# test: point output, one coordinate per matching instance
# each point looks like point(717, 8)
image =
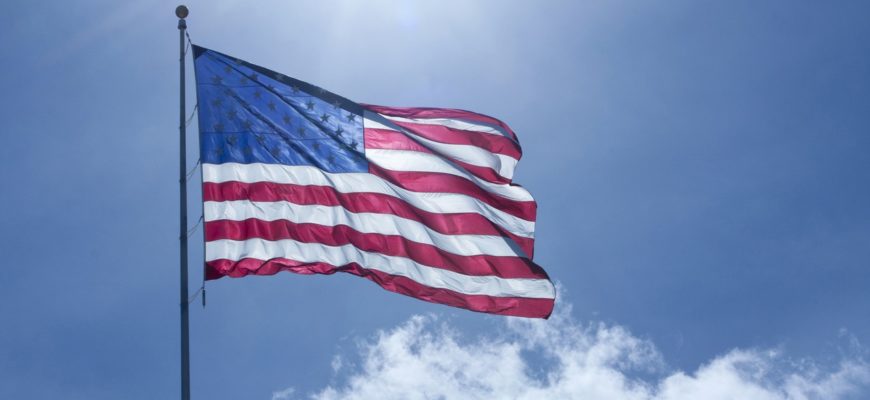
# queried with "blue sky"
point(701, 170)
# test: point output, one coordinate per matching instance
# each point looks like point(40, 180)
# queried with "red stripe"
point(392, 245)
point(426, 182)
point(392, 140)
point(425, 112)
point(514, 306)
point(443, 134)
point(450, 224)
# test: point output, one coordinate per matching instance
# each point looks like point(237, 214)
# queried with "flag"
point(417, 200)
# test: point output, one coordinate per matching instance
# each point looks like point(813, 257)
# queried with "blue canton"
point(249, 114)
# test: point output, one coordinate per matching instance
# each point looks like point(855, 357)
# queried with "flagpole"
point(181, 12)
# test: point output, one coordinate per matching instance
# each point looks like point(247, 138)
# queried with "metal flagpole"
point(181, 12)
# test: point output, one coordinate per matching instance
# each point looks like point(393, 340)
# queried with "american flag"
point(417, 200)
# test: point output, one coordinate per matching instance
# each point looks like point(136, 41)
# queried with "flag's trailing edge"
point(418, 200)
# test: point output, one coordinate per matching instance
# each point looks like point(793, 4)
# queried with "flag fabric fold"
point(420, 201)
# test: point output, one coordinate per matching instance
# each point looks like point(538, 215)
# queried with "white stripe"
point(442, 203)
point(415, 161)
point(384, 224)
point(342, 255)
point(458, 123)
point(502, 164)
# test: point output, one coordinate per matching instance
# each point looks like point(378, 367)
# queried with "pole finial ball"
point(181, 11)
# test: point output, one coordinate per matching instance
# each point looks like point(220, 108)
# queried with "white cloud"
point(337, 363)
point(563, 359)
point(283, 394)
